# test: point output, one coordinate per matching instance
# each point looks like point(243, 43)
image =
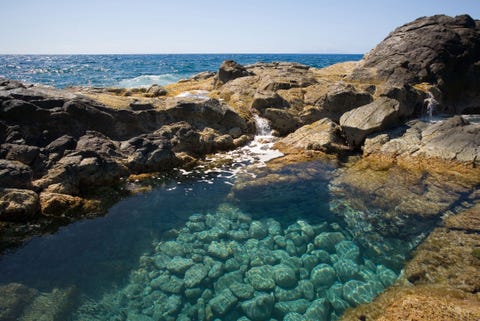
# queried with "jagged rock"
point(229, 70)
point(18, 205)
point(440, 50)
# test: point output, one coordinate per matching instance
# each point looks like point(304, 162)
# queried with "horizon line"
point(181, 53)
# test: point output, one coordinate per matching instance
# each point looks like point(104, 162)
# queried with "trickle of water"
point(262, 126)
point(431, 103)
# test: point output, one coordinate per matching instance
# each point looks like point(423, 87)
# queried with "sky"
point(209, 26)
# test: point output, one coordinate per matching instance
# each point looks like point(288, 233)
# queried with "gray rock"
point(453, 139)
point(323, 275)
point(381, 114)
point(310, 261)
point(223, 302)
point(261, 278)
point(281, 120)
point(259, 308)
point(267, 99)
point(195, 275)
point(440, 50)
point(322, 135)
point(228, 71)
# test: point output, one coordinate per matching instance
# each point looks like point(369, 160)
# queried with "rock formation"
point(59, 146)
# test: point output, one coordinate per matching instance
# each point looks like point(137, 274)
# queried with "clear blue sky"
point(209, 26)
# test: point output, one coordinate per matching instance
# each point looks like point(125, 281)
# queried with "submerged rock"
point(223, 302)
point(259, 308)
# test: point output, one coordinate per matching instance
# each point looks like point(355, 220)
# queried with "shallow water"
point(222, 243)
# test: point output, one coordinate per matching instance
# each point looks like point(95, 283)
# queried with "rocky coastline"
point(66, 154)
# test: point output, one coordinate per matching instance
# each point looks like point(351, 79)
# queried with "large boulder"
point(440, 50)
point(323, 135)
point(229, 70)
point(381, 114)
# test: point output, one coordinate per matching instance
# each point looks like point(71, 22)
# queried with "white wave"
point(197, 94)
point(148, 80)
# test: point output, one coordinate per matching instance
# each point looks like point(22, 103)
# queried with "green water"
point(206, 245)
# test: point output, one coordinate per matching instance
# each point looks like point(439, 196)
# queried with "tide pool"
point(213, 243)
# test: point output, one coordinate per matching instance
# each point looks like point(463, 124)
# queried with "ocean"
point(136, 70)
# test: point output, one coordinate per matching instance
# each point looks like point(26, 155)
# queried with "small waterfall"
point(262, 145)
point(262, 126)
point(431, 104)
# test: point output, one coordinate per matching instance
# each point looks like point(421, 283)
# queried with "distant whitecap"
point(148, 80)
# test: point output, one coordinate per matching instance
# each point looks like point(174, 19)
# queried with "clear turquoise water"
point(136, 70)
point(276, 245)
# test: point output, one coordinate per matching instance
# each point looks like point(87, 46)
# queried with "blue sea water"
point(136, 70)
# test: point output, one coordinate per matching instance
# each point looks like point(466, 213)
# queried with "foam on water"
point(148, 80)
point(255, 154)
point(196, 94)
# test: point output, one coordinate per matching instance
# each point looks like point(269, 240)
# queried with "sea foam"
point(148, 80)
